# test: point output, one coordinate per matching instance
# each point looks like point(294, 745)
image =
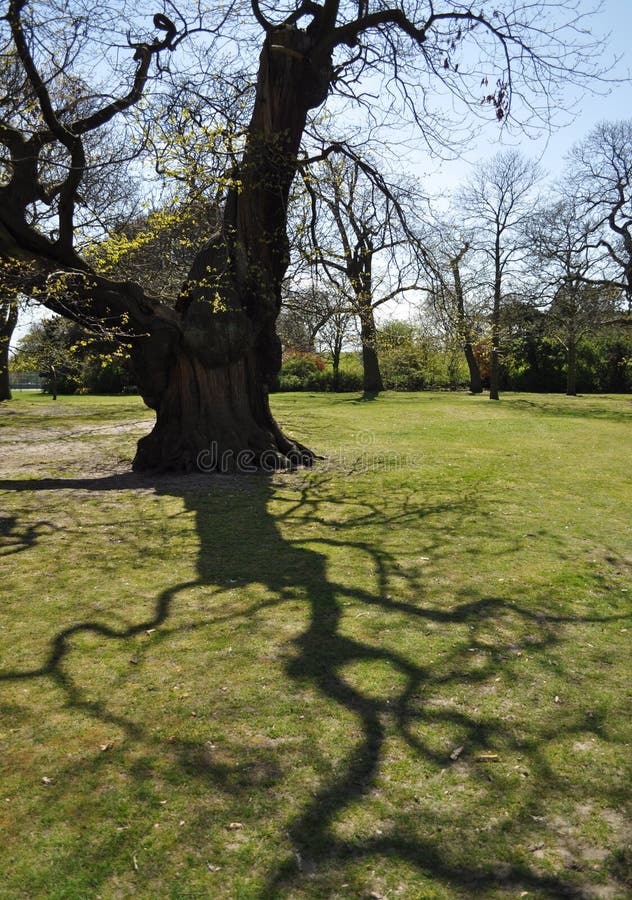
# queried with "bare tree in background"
point(496, 203)
point(600, 178)
point(358, 236)
point(562, 242)
point(455, 293)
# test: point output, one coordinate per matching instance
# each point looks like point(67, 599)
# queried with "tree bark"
point(8, 321)
point(494, 368)
point(571, 369)
point(5, 386)
point(371, 376)
point(476, 384)
point(335, 365)
point(208, 378)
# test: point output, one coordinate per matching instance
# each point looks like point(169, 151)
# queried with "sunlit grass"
point(403, 673)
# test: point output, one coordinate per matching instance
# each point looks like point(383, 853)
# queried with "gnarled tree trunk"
point(208, 373)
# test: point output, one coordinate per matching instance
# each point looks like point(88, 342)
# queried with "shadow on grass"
point(320, 657)
point(582, 406)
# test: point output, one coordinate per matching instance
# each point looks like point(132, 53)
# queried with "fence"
point(25, 381)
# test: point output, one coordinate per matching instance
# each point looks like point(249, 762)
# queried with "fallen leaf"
point(47, 780)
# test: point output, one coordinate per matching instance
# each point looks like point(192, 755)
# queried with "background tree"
point(454, 295)
point(205, 363)
point(8, 321)
point(561, 240)
point(600, 178)
point(47, 348)
point(312, 316)
point(496, 203)
point(71, 359)
point(358, 236)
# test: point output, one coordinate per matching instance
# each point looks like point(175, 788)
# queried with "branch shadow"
point(324, 654)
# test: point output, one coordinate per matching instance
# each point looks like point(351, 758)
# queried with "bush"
point(413, 361)
point(304, 372)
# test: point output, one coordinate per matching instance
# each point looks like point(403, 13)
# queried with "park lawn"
point(404, 673)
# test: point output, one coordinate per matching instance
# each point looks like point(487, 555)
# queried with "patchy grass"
point(405, 673)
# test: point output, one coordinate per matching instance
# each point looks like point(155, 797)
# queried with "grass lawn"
point(405, 673)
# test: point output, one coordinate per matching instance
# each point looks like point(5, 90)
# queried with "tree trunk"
point(5, 387)
point(216, 418)
point(476, 384)
point(207, 373)
point(8, 321)
point(494, 366)
point(371, 375)
point(335, 365)
point(571, 369)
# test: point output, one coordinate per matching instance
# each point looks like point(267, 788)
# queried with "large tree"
point(205, 362)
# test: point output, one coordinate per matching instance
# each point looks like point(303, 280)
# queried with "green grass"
point(252, 687)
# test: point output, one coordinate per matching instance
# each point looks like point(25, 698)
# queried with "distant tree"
point(561, 239)
point(8, 321)
point(600, 180)
point(332, 336)
point(47, 349)
point(496, 203)
point(455, 295)
point(357, 235)
point(70, 358)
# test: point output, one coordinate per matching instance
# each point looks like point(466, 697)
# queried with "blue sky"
point(613, 102)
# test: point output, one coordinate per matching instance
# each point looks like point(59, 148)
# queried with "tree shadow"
point(581, 406)
point(237, 551)
point(365, 397)
point(15, 538)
